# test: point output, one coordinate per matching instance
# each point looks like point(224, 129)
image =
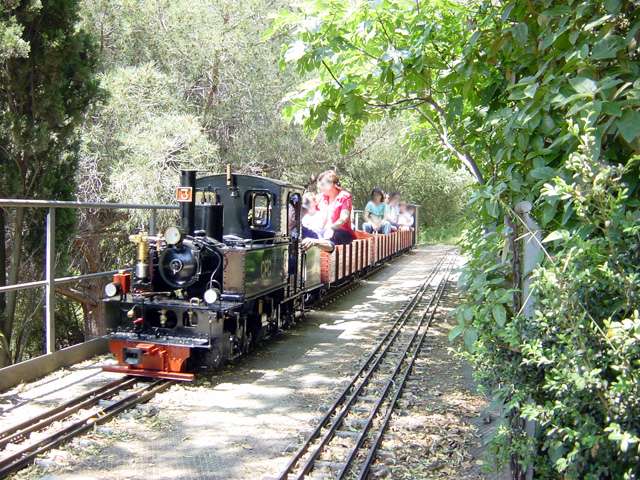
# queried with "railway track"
point(21, 443)
point(345, 442)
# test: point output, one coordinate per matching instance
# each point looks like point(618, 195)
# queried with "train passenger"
point(392, 210)
point(335, 204)
point(312, 222)
point(312, 219)
point(374, 214)
point(405, 218)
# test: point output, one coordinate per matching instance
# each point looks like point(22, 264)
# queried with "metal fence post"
point(50, 288)
point(531, 255)
point(416, 223)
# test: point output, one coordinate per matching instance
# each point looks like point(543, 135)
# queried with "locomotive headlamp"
point(172, 235)
point(211, 295)
point(111, 289)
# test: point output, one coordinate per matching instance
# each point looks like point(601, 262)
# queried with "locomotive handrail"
point(50, 250)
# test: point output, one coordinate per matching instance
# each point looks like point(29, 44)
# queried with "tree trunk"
point(14, 275)
point(95, 313)
point(93, 308)
point(4, 356)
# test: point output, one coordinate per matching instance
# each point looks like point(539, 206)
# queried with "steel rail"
point(305, 447)
point(25, 455)
point(390, 409)
point(18, 432)
point(430, 309)
point(390, 335)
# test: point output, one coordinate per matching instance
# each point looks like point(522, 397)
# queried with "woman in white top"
point(312, 225)
point(392, 210)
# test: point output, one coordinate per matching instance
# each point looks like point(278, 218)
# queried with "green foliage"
point(12, 45)
point(143, 135)
point(47, 81)
point(562, 120)
point(375, 58)
point(542, 100)
point(449, 233)
point(216, 68)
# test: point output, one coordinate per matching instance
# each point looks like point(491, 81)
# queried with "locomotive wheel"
point(213, 358)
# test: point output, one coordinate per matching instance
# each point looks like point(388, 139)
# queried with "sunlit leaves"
point(564, 125)
point(499, 314)
point(583, 85)
point(295, 51)
point(396, 53)
point(607, 47)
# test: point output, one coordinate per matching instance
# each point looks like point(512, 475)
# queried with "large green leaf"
point(470, 337)
point(499, 314)
point(629, 125)
point(607, 47)
point(583, 85)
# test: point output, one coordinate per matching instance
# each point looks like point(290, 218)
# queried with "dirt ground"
point(245, 421)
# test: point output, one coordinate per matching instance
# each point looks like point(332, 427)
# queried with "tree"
point(46, 83)
point(185, 89)
point(372, 58)
point(383, 157)
point(540, 101)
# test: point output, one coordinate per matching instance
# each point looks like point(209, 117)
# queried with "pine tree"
point(47, 81)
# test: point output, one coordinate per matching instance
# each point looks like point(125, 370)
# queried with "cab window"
point(260, 211)
point(293, 214)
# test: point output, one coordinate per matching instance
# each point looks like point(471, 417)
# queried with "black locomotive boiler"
point(206, 291)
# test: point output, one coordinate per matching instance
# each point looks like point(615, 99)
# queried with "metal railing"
point(50, 281)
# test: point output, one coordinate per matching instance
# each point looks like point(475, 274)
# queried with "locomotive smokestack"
point(188, 209)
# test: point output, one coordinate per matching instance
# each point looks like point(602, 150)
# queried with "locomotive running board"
point(138, 372)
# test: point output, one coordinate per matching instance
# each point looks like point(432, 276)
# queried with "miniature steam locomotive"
point(206, 292)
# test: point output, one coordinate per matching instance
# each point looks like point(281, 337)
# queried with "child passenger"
point(374, 214)
point(312, 220)
point(405, 218)
point(312, 223)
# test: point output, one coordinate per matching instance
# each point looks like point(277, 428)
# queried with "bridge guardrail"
point(50, 281)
